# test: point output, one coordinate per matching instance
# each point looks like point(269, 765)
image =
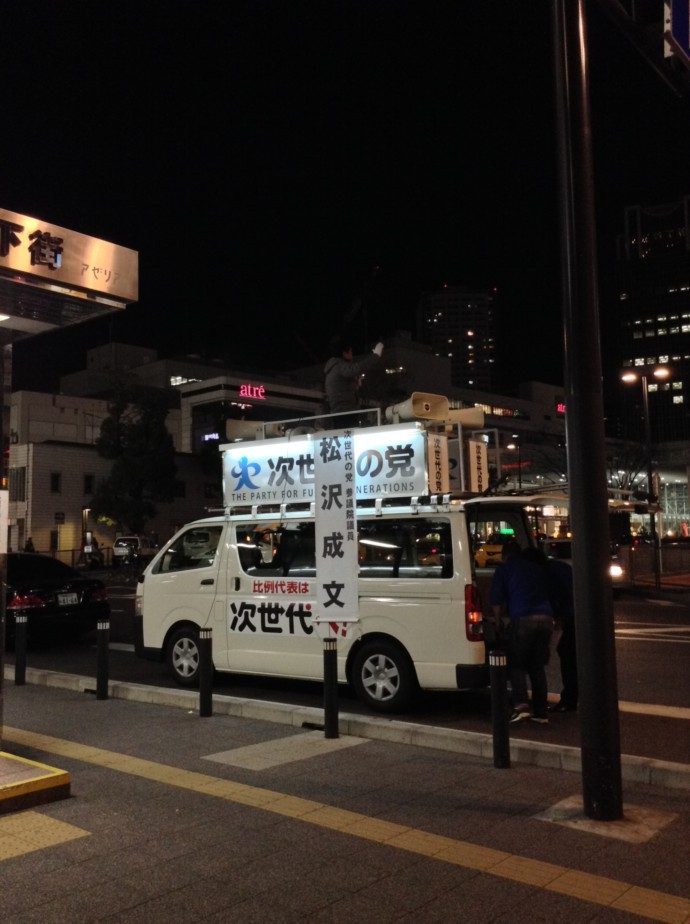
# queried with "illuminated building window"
point(677, 399)
point(637, 335)
point(653, 387)
point(677, 386)
point(663, 359)
point(661, 331)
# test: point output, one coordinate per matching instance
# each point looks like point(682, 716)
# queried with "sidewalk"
point(230, 818)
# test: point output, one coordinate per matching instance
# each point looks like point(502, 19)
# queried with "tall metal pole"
point(598, 705)
point(650, 480)
point(3, 557)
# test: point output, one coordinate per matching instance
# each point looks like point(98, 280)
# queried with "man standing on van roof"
point(520, 590)
point(343, 376)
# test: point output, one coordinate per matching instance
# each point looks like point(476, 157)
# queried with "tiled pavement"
point(178, 818)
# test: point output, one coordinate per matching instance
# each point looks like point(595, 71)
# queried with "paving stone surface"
point(378, 832)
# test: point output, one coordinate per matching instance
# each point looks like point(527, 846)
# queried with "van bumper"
point(472, 676)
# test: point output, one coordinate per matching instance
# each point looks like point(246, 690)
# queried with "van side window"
point(277, 552)
point(405, 548)
point(402, 548)
point(491, 529)
point(195, 548)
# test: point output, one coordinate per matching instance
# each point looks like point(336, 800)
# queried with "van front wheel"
point(183, 656)
point(383, 677)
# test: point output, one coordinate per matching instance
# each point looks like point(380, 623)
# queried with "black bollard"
point(102, 658)
point(205, 672)
point(498, 675)
point(330, 687)
point(20, 621)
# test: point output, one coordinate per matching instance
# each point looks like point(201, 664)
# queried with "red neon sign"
point(560, 407)
point(253, 391)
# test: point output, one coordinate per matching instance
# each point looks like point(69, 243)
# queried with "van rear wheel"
point(183, 656)
point(383, 677)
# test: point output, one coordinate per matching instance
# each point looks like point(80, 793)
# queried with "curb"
point(559, 757)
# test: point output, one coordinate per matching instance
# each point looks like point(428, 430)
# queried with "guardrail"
point(638, 562)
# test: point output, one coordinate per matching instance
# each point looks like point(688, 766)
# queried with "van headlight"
point(615, 571)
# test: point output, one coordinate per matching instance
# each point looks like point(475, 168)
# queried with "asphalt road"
point(652, 638)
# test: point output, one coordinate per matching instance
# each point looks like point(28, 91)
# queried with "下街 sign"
point(45, 254)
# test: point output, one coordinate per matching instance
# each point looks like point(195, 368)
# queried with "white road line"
point(665, 603)
point(666, 712)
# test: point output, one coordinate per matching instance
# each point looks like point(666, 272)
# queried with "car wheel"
point(183, 656)
point(383, 677)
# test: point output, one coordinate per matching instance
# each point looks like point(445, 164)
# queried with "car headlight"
point(615, 571)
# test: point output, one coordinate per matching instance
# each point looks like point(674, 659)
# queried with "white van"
point(420, 622)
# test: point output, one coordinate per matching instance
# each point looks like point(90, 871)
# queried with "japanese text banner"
point(335, 527)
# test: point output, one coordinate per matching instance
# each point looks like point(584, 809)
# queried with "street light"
point(516, 445)
point(642, 374)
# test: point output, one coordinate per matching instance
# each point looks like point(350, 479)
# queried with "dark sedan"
point(57, 599)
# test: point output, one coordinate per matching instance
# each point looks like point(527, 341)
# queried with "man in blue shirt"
point(520, 593)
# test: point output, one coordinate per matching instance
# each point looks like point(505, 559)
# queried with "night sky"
point(264, 157)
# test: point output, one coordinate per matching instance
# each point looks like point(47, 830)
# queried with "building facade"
point(653, 291)
point(459, 323)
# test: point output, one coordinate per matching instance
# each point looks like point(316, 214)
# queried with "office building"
point(459, 323)
point(653, 291)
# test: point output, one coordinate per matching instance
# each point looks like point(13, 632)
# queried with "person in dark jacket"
point(561, 584)
point(520, 591)
point(343, 376)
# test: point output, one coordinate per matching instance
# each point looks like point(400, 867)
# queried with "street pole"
point(598, 705)
point(650, 481)
point(3, 556)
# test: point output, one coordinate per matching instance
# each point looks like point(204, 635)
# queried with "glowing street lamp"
point(642, 374)
point(513, 446)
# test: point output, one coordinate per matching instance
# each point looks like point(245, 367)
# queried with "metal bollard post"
point(205, 672)
point(330, 687)
point(498, 675)
point(20, 627)
point(102, 658)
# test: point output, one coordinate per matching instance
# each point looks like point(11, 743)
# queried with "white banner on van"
point(389, 461)
point(478, 466)
point(335, 528)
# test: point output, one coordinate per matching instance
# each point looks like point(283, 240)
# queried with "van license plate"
point(67, 599)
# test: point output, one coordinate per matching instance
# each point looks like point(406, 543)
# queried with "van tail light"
point(26, 601)
point(474, 627)
point(99, 594)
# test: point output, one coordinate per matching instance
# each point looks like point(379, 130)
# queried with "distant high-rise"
point(458, 322)
point(653, 278)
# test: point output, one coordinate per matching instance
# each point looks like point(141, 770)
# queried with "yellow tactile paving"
point(25, 832)
point(610, 893)
point(20, 777)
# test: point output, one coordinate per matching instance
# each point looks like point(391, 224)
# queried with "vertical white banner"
point(336, 528)
point(437, 449)
point(4, 520)
point(478, 466)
